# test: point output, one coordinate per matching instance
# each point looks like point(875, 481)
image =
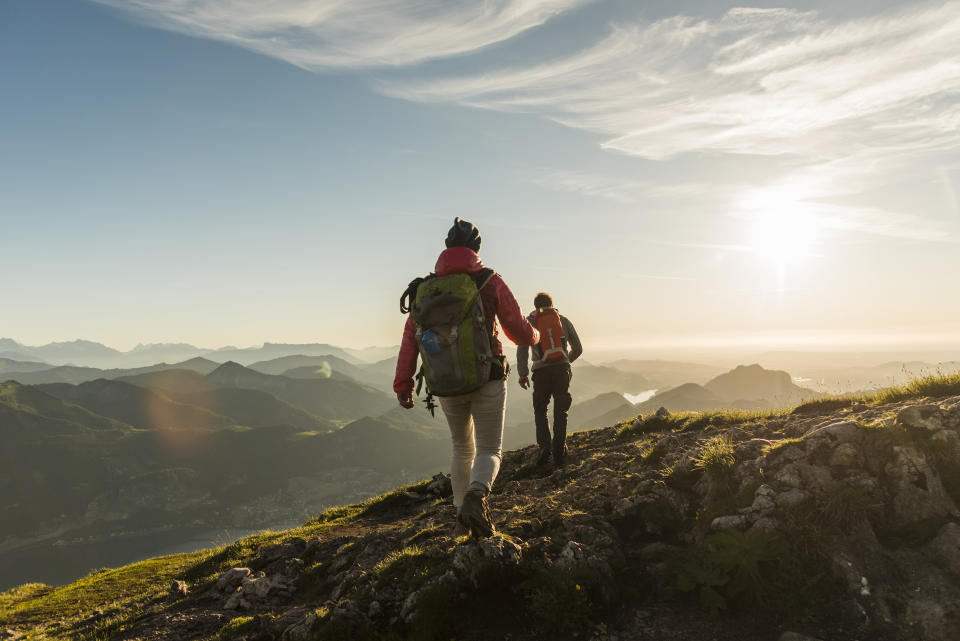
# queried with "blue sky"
point(230, 172)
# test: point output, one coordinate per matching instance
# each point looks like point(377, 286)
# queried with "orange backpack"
point(548, 323)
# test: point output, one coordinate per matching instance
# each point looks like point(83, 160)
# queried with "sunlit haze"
point(684, 175)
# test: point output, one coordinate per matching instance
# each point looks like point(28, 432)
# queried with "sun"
point(783, 228)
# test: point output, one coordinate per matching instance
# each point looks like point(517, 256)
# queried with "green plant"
point(409, 564)
point(716, 456)
point(235, 628)
point(772, 447)
point(930, 385)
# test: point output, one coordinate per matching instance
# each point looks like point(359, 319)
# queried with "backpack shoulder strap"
point(483, 277)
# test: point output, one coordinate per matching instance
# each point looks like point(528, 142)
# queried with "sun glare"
point(783, 229)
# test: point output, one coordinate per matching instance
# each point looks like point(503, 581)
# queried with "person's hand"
point(406, 399)
point(524, 382)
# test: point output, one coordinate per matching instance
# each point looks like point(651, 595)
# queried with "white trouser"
point(476, 457)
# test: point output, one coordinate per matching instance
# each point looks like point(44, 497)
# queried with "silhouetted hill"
point(136, 406)
point(688, 397)
point(170, 380)
point(270, 351)
point(76, 375)
point(319, 372)
point(254, 408)
point(165, 352)
point(666, 374)
point(78, 352)
point(311, 366)
point(12, 365)
point(328, 398)
point(754, 383)
point(586, 414)
point(591, 380)
point(26, 401)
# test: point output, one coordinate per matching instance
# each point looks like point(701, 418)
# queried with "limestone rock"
point(578, 558)
point(917, 491)
point(946, 548)
point(230, 580)
point(473, 559)
point(236, 602)
point(921, 417)
point(178, 590)
point(300, 631)
point(730, 521)
point(845, 455)
point(841, 431)
point(440, 485)
point(793, 498)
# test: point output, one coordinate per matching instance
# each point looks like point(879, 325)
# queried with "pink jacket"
point(497, 300)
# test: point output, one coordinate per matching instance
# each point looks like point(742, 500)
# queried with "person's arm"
point(576, 349)
point(406, 365)
point(522, 352)
point(515, 325)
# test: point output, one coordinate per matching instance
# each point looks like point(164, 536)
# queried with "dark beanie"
point(463, 234)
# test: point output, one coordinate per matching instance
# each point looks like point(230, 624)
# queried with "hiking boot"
point(474, 514)
point(459, 529)
point(560, 458)
point(544, 457)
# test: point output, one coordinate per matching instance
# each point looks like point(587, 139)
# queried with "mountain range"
point(93, 354)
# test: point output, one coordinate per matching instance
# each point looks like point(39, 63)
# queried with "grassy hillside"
point(329, 399)
point(136, 406)
point(65, 468)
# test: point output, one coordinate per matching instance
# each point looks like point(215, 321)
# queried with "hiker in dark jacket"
point(551, 376)
point(476, 418)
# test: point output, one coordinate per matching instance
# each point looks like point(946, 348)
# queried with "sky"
point(682, 174)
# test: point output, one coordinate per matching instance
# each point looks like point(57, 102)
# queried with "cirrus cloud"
point(757, 81)
point(324, 34)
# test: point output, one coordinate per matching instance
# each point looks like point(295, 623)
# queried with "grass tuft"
point(931, 385)
point(716, 456)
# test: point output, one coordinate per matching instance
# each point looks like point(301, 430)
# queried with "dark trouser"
point(552, 381)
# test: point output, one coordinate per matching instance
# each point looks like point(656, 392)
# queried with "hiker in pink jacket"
point(476, 418)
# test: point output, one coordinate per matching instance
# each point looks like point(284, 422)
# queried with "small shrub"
point(235, 628)
point(716, 457)
point(823, 405)
point(410, 564)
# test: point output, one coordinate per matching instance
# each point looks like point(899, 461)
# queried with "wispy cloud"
point(610, 187)
point(758, 81)
point(322, 34)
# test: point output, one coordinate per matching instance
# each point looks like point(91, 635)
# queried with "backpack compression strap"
point(410, 294)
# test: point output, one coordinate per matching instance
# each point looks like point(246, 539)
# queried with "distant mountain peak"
point(230, 366)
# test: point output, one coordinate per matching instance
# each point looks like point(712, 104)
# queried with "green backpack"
point(452, 332)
